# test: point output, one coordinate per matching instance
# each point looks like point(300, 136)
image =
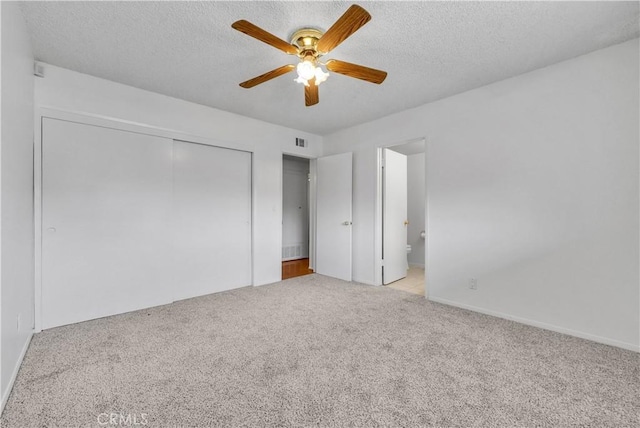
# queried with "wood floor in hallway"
point(293, 268)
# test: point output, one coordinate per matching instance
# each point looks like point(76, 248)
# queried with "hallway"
point(294, 268)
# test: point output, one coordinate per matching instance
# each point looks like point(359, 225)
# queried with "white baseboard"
point(362, 281)
point(418, 265)
point(7, 391)
point(542, 325)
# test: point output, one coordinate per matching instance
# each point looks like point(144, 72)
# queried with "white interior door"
point(212, 208)
point(333, 221)
point(106, 222)
point(394, 217)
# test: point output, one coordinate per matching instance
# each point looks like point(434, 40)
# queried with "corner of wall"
point(6, 392)
point(16, 195)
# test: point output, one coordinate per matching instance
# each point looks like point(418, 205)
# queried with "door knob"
point(406, 222)
point(346, 223)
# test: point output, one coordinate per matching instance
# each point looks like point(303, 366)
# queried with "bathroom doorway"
point(295, 216)
point(403, 217)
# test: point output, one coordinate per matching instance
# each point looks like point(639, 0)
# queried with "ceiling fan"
point(309, 45)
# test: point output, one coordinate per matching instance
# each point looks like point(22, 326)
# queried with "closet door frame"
point(117, 124)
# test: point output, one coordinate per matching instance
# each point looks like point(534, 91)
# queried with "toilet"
point(408, 251)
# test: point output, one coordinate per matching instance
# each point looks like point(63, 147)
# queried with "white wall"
point(416, 207)
point(16, 190)
point(532, 188)
point(68, 90)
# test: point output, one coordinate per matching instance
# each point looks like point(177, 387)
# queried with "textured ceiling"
point(431, 50)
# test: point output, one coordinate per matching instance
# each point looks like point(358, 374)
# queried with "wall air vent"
point(301, 142)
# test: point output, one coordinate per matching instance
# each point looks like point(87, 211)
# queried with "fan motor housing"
point(306, 39)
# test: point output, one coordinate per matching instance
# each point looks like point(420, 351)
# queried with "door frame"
point(121, 125)
point(377, 234)
point(311, 195)
point(312, 203)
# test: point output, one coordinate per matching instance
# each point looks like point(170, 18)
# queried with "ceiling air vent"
point(38, 69)
point(301, 142)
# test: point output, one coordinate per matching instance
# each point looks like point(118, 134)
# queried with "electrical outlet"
point(473, 283)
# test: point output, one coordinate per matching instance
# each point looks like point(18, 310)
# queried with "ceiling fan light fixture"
point(321, 76)
point(306, 70)
point(309, 44)
point(299, 79)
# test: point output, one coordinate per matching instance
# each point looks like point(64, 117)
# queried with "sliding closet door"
point(106, 222)
point(212, 208)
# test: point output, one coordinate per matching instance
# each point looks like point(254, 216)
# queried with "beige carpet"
point(313, 351)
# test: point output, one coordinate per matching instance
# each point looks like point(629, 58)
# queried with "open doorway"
point(403, 217)
point(295, 216)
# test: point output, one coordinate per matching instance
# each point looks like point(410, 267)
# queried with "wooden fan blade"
point(311, 93)
point(264, 36)
point(358, 71)
point(267, 76)
point(354, 18)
